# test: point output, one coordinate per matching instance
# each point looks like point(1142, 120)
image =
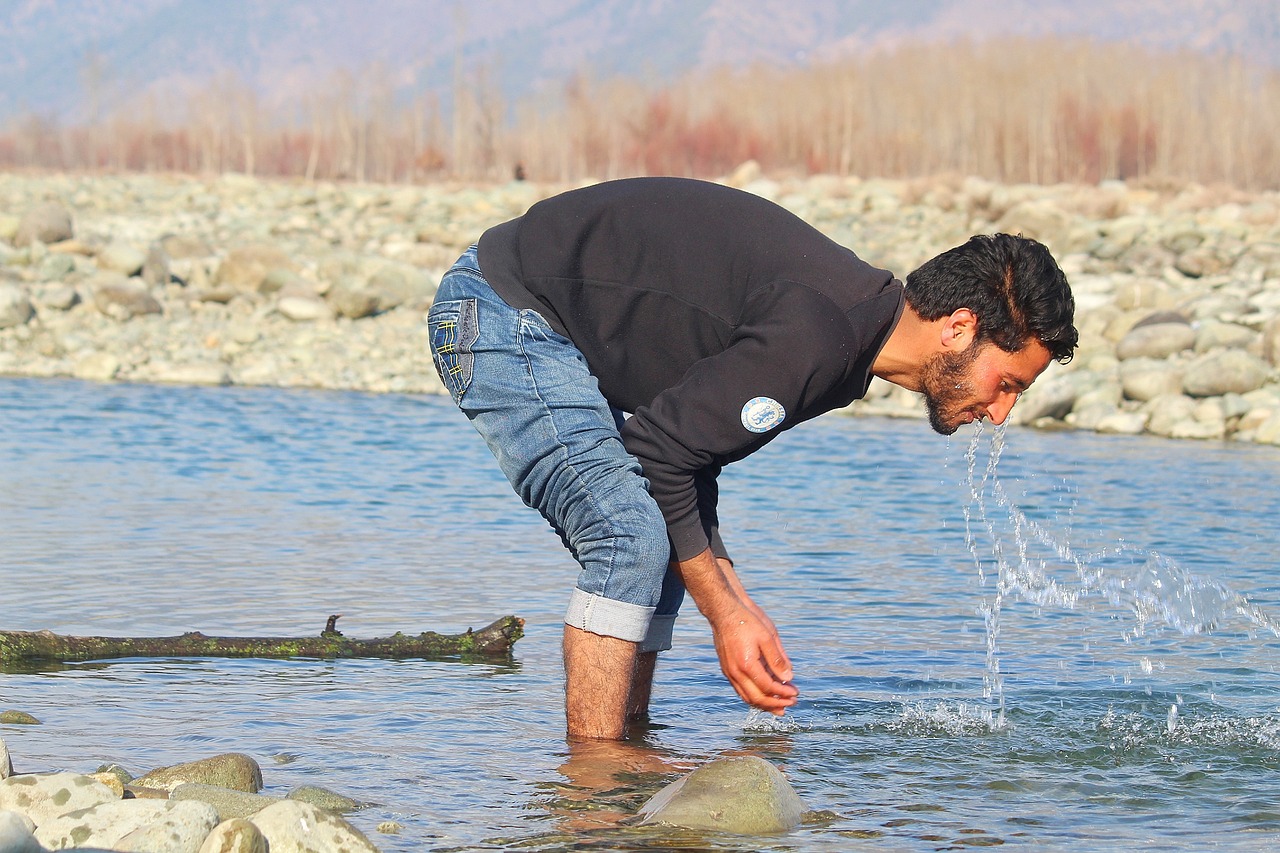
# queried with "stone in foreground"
point(295, 827)
point(744, 796)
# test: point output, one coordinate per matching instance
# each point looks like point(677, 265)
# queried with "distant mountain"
point(71, 59)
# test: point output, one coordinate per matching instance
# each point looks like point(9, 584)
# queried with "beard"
point(948, 392)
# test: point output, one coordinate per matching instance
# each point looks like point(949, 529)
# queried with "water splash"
point(1038, 565)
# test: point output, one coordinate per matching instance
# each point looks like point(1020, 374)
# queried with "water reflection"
point(141, 510)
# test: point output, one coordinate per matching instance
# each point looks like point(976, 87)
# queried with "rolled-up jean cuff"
point(607, 617)
point(659, 637)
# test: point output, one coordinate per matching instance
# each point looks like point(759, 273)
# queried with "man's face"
point(980, 381)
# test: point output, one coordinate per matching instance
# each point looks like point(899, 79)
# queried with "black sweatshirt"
point(716, 317)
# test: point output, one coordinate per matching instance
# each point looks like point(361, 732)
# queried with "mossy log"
point(494, 639)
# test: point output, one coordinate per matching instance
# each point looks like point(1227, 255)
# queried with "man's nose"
point(999, 409)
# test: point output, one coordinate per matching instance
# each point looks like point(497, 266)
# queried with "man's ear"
point(959, 330)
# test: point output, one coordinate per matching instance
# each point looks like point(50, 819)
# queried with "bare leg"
point(597, 683)
point(641, 687)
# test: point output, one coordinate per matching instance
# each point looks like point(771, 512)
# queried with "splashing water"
point(1035, 564)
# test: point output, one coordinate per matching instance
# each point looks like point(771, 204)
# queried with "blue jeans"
point(529, 393)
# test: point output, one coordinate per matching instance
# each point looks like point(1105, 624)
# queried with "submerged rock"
point(744, 796)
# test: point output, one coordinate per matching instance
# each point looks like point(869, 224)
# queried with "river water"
point(1070, 649)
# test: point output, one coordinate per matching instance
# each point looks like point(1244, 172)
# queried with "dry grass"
point(1038, 111)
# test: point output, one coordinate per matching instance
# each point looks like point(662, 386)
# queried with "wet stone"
point(233, 770)
point(745, 796)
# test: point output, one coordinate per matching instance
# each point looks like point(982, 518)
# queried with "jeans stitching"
point(564, 447)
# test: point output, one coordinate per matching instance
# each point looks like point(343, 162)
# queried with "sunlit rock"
point(16, 833)
point(745, 795)
point(44, 797)
point(294, 827)
point(135, 824)
point(233, 770)
point(235, 836)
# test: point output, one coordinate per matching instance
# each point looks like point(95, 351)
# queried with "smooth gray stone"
point(1159, 340)
point(745, 796)
point(1229, 371)
point(228, 803)
point(323, 798)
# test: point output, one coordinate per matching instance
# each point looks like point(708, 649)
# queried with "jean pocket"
point(454, 328)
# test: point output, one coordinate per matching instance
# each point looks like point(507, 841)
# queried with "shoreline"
point(233, 280)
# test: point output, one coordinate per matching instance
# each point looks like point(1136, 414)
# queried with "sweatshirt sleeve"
point(791, 350)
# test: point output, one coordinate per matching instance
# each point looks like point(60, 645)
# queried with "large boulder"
point(745, 795)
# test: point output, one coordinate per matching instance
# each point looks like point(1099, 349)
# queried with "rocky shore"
point(233, 280)
point(211, 805)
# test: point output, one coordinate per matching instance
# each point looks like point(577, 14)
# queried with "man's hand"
point(750, 652)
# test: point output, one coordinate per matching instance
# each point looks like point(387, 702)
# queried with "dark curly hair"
point(1011, 283)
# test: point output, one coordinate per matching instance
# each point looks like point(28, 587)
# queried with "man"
point(715, 320)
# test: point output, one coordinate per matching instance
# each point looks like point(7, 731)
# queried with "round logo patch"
point(762, 414)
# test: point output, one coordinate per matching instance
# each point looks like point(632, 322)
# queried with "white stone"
point(294, 827)
point(97, 367)
point(44, 797)
point(303, 309)
point(1122, 423)
point(133, 825)
point(16, 834)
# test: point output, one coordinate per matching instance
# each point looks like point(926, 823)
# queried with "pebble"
point(236, 280)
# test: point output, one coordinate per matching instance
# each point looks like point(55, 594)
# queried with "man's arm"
point(751, 655)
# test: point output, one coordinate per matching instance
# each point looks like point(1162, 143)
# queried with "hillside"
point(73, 60)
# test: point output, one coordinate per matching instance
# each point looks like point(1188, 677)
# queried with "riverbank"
point(233, 280)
